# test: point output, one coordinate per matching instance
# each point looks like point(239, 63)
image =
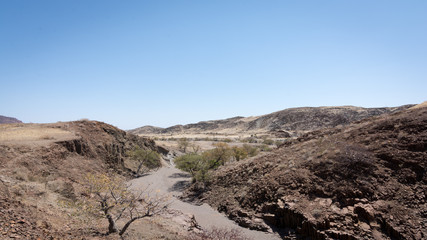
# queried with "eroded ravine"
point(169, 180)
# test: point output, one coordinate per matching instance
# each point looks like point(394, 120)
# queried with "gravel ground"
point(171, 181)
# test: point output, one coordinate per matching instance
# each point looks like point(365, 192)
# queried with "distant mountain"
point(288, 122)
point(4, 119)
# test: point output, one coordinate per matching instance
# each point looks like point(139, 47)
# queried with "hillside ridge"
point(44, 164)
point(8, 120)
point(366, 180)
point(293, 121)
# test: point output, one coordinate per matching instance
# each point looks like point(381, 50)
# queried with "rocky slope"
point(40, 164)
point(288, 122)
point(366, 180)
point(5, 120)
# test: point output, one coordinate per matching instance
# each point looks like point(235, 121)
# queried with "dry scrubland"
point(320, 175)
point(366, 180)
point(43, 168)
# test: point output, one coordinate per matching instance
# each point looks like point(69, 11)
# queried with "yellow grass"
point(24, 133)
point(424, 104)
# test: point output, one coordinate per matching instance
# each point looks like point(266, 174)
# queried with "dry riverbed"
point(171, 181)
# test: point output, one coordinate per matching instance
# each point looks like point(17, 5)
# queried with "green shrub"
point(265, 148)
point(268, 141)
point(146, 158)
point(218, 156)
point(199, 165)
point(239, 153)
point(252, 151)
point(191, 163)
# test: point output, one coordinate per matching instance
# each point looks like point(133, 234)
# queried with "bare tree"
point(195, 148)
point(183, 144)
point(110, 197)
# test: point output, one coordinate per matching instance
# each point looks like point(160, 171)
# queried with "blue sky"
point(135, 63)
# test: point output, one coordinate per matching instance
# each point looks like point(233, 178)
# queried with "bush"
point(199, 165)
point(268, 141)
point(191, 163)
point(146, 158)
point(252, 151)
point(218, 234)
point(239, 153)
point(265, 148)
point(218, 156)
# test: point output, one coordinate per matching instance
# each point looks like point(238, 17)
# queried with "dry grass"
point(421, 105)
point(19, 133)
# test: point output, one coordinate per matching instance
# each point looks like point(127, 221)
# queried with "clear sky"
point(161, 63)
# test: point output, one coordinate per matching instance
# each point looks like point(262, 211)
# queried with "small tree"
point(218, 156)
point(145, 158)
point(110, 197)
point(252, 151)
point(239, 153)
point(191, 163)
point(195, 148)
point(183, 144)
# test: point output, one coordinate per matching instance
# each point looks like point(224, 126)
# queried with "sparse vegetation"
point(109, 197)
point(268, 141)
point(265, 148)
point(191, 163)
point(198, 165)
point(146, 158)
point(195, 148)
point(218, 234)
point(217, 156)
point(252, 151)
point(183, 144)
point(239, 153)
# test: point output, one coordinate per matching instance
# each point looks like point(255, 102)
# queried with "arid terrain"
point(336, 173)
point(292, 122)
point(42, 165)
point(366, 180)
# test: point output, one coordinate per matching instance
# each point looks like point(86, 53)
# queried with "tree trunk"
point(141, 164)
point(125, 227)
point(111, 224)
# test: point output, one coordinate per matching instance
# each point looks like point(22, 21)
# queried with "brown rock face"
point(363, 181)
point(41, 162)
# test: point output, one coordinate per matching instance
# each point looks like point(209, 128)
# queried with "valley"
point(311, 173)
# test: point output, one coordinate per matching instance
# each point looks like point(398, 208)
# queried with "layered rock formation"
point(366, 180)
point(44, 164)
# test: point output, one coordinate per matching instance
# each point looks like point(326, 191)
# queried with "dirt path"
point(169, 180)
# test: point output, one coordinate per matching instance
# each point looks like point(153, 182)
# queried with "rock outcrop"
point(44, 164)
point(366, 180)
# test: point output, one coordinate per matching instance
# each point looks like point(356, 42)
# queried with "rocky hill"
point(366, 180)
point(4, 120)
point(288, 122)
point(42, 164)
